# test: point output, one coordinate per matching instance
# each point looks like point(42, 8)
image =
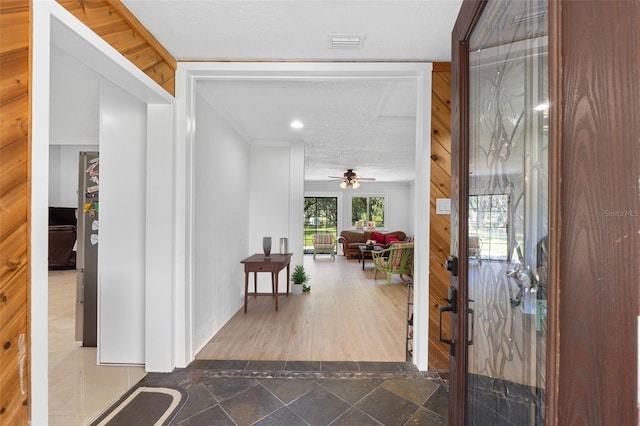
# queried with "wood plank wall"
point(440, 224)
point(112, 21)
point(14, 212)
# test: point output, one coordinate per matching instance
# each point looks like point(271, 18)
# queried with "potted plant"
point(300, 279)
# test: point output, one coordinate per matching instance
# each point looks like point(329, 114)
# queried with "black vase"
point(266, 246)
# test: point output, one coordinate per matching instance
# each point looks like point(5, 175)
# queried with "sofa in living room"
point(350, 240)
point(62, 237)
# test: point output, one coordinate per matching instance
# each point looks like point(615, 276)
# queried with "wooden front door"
point(498, 297)
point(568, 173)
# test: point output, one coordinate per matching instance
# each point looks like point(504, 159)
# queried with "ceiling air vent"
point(346, 41)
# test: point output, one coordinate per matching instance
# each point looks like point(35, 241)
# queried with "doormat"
point(144, 406)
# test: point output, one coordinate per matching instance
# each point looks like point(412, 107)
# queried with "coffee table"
point(365, 253)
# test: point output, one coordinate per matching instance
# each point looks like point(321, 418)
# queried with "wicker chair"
point(397, 259)
point(324, 243)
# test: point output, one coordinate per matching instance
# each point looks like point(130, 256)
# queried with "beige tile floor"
point(79, 390)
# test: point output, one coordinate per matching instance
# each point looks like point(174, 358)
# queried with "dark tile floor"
point(306, 393)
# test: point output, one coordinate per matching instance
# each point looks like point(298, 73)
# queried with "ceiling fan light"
point(356, 184)
point(343, 184)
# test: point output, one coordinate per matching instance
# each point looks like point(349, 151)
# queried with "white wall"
point(412, 203)
point(277, 204)
point(221, 200)
point(241, 193)
point(269, 194)
point(75, 110)
point(399, 204)
point(296, 203)
point(121, 246)
point(160, 310)
point(63, 173)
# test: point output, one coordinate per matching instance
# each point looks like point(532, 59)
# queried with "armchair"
point(324, 243)
point(397, 259)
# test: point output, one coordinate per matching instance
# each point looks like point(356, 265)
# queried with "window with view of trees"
point(488, 220)
point(320, 217)
point(368, 209)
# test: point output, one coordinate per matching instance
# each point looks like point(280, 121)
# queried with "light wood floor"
point(347, 316)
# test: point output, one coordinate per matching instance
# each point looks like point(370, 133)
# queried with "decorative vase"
point(266, 246)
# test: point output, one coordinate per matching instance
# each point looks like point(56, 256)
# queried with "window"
point(488, 219)
point(368, 209)
point(320, 216)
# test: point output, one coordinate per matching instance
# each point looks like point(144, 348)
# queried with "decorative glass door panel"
point(507, 214)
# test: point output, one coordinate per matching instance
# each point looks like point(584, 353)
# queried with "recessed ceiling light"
point(297, 124)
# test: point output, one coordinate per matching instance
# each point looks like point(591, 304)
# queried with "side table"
point(260, 263)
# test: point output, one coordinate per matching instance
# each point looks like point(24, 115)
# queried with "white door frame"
point(187, 76)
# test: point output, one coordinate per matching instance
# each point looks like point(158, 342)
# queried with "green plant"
point(300, 276)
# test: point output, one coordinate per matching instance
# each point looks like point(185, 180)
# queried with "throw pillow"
point(389, 238)
point(379, 237)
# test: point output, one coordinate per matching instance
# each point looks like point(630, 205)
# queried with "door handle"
point(471, 312)
point(449, 342)
point(450, 307)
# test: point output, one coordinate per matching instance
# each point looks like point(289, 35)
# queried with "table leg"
point(255, 284)
point(288, 275)
point(273, 278)
point(276, 290)
point(246, 290)
point(363, 258)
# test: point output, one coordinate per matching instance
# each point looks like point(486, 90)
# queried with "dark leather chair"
point(62, 237)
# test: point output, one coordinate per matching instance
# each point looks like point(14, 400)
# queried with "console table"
point(260, 263)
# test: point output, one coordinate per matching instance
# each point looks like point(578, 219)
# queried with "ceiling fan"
point(350, 179)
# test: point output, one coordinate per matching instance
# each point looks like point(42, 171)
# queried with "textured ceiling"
point(367, 125)
point(274, 30)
